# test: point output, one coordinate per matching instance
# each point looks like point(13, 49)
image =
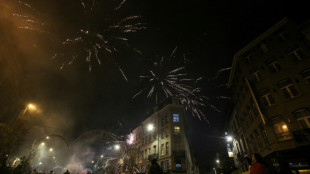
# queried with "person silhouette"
point(155, 168)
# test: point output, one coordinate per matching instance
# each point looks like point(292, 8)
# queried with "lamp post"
point(30, 107)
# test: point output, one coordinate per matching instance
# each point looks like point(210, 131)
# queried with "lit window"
point(303, 118)
point(178, 164)
point(257, 76)
point(297, 54)
point(281, 130)
point(177, 129)
point(176, 118)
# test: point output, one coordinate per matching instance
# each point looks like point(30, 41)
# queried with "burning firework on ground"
point(99, 37)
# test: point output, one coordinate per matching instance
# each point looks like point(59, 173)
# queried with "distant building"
point(163, 136)
point(270, 83)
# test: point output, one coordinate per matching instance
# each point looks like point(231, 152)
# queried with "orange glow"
point(284, 126)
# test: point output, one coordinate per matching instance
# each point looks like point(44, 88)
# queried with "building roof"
point(251, 45)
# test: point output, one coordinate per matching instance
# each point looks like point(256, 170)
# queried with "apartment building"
point(162, 135)
point(270, 84)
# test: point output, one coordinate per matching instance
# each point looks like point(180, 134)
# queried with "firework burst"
point(99, 37)
point(166, 80)
point(28, 17)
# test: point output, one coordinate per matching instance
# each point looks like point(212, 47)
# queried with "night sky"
point(208, 32)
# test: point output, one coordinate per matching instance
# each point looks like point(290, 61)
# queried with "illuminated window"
point(178, 164)
point(281, 129)
point(176, 118)
point(303, 118)
point(177, 129)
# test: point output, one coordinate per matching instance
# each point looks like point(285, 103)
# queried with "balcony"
point(179, 153)
point(302, 135)
point(152, 156)
point(284, 136)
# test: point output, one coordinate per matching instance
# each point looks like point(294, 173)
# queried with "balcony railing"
point(284, 136)
point(152, 156)
point(302, 135)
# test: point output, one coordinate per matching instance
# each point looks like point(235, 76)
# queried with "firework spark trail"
point(28, 18)
point(98, 46)
point(162, 82)
point(220, 71)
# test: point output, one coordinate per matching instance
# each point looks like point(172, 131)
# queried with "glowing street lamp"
point(217, 161)
point(42, 144)
point(92, 162)
point(51, 149)
point(117, 147)
point(150, 127)
point(47, 137)
point(229, 138)
point(101, 156)
point(32, 107)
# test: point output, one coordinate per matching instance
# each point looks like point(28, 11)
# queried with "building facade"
point(163, 136)
point(270, 84)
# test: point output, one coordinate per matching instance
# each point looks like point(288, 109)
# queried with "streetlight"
point(150, 127)
point(229, 138)
point(117, 147)
point(217, 161)
point(51, 149)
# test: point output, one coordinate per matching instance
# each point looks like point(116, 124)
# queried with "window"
point(162, 149)
point(306, 75)
point(149, 151)
point(167, 148)
point(154, 147)
point(142, 155)
point(288, 89)
point(248, 59)
point(264, 48)
point(257, 76)
point(282, 36)
point(165, 165)
point(273, 65)
point(176, 118)
point(265, 137)
point(266, 97)
point(145, 152)
point(177, 129)
point(166, 133)
point(303, 118)
point(296, 54)
point(178, 164)
point(281, 129)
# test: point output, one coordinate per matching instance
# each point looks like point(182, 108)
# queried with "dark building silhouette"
point(270, 84)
